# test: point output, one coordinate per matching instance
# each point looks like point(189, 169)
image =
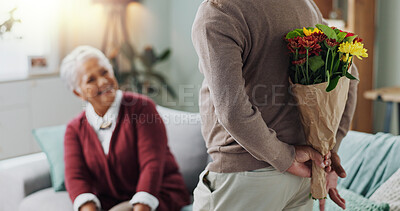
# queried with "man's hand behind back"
point(331, 180)
point(301, 165)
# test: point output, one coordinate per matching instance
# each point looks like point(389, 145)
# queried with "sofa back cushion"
point(186, 143)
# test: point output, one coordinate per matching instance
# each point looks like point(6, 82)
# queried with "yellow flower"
point(355, 49)
point(346, 57)
point(309, 32)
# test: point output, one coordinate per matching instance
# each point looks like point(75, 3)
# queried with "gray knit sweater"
point(249, 118)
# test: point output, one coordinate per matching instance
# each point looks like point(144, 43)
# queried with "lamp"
point(114, 1)
point(115, 32)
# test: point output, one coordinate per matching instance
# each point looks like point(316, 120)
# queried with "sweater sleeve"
point(77, 176)
point(152, 149)
point(219, 43)
point(349, 110)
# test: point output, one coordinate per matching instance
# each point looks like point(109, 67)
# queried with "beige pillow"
point(389, 192)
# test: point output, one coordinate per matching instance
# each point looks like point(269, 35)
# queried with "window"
point(35, 35)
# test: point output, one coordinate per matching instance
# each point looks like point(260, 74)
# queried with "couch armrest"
point(20, 177)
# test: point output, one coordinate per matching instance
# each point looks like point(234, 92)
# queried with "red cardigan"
point(138, 160)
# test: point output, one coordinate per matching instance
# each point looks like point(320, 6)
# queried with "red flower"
point(316, 51)
point(308, 42)
point(304, 51)
point(300, 61)
point(294, 43)
point(320, 37)
point(348, 34)
point(357, 39)
point(331, 42)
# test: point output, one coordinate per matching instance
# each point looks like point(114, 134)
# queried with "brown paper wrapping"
point(321, 113)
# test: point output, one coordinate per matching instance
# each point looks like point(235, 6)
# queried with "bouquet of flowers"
point(319, 74)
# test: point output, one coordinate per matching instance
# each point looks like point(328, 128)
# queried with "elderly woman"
point(116, 153)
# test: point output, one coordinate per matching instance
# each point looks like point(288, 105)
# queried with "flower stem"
point(333, 59)
point(308, 79)
point(297, 68)
point(302, 70)
point(326, 63)
point(347, 65)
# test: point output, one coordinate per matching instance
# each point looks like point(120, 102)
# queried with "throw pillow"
point(354, 202)
point(51, 141)
point(389, 192)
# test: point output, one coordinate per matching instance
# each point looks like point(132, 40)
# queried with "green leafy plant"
point(146, 80)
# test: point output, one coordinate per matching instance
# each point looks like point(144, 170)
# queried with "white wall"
point(29, 104)
point(184, 63)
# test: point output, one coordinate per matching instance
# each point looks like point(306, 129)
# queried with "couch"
point(25, 182)
point(369, 160)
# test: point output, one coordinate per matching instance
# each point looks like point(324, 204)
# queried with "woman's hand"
point(141, 207)
point(331, 183)
point(301, 165)
point(88, 206)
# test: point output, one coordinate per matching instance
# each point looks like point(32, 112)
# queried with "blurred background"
point(149, 44)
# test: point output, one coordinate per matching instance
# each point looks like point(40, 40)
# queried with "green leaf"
point(350, 76)
point(318, 79)
point(300, 31)
point(328, 31)
point(164, 55)
point(341, 36)
point(315, 63)
point(337, 64)
point(350, 39)
point(303, 81)
point(328, 77)
point(337, 31)
point(293, 34)
point(332, 84)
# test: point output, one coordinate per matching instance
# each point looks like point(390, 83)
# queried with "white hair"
point(74, 61)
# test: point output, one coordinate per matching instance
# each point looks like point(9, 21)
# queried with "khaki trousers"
point(259, 190)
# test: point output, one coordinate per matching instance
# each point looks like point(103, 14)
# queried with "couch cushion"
point(184, 139)
point(47, 200)
point(186, 143)
point(51, 140)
